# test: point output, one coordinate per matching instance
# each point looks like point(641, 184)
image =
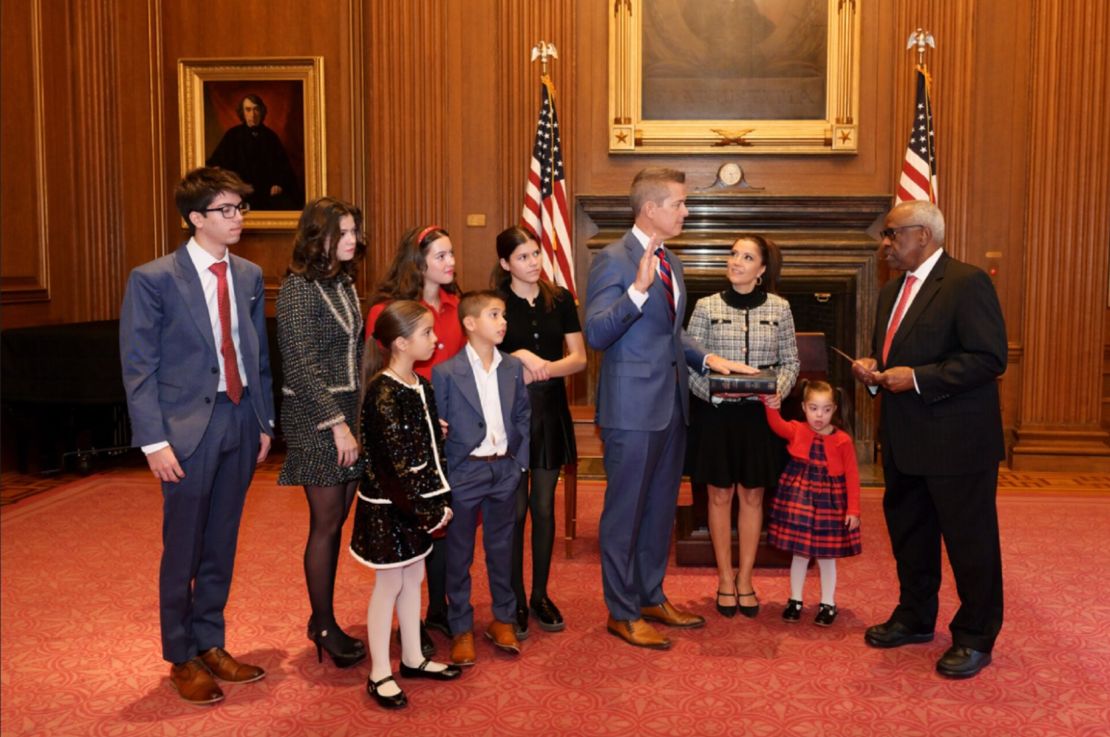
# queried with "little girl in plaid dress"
point(815, 513)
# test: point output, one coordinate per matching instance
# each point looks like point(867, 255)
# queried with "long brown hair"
point(508, 240)
point(772, 260)
point(315, 255)
point(405, 279)
point(398, 320)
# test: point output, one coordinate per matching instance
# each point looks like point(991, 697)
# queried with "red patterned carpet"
point(80, 651)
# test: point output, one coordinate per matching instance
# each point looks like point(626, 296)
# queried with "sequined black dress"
point(404, 490)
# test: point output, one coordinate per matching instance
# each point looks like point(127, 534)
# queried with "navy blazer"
point(646, 352)
point(170, 365)
point(954, 338)
point(457, 401)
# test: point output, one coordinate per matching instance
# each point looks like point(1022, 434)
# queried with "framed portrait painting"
point(262, 118)
point(760, 76)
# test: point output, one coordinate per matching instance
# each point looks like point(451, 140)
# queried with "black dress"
point(542, 331)
point(404, 492)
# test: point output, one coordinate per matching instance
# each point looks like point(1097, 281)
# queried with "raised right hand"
point(163, 464)
point(649, 262)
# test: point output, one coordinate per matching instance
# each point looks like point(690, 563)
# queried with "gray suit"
point(171, 376)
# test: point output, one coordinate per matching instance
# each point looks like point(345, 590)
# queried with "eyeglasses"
point(891, 233)
point(229, 210)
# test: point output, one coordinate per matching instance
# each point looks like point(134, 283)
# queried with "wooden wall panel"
point(1067, 231)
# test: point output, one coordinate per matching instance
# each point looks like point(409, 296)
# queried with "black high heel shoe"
point(727, 611)
point(325, 642)
point(348, 643)
point(396, 701)
point(748, 611)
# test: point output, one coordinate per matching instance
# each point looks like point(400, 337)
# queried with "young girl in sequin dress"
point(815, 513)
point(404, 499)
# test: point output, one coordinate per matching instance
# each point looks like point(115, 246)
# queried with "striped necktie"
point(667, 278)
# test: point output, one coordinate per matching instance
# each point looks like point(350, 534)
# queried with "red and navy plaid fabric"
point(807, 516)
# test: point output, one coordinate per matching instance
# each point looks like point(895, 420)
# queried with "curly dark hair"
point(318, 229)
point(405, 279)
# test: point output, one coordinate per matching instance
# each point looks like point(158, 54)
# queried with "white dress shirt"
point(919, 274)
point(496, 441)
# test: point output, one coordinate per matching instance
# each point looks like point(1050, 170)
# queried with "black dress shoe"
point(793, 611)
point(520, 624)
point(894, 634)
point(438, 622)
point(826, 615)
point(396, 701)
point(548, 615)
point(962, 662)
point(449, 673)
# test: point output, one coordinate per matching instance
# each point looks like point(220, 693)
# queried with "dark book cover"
point(725, 385)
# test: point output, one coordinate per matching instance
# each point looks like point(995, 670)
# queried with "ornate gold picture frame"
point(262, 118)
point(788, 68)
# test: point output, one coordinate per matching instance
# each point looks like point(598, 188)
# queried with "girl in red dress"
point(815, 513)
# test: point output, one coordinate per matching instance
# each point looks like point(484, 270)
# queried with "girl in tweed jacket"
point(731, 449)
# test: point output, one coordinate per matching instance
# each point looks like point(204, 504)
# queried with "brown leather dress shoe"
point(462, 650)
point(639, 633)
point(503, 635)
point(193, 681)
point(227, 668)
point(670, 615)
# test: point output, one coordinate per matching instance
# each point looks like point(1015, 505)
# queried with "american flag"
point(919, 168)
point(545, 197)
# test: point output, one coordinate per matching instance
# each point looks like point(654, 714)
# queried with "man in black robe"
point(256, 154)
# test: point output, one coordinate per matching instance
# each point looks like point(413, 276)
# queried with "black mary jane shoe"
point(726, 611)
point(548, 616)
point(396, 701)
point(826, 615)
point(520, 623)
point(793, 611)
point(962, 662)
point(748, 611)
point(449, 673)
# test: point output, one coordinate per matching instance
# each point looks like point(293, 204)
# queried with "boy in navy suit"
point(480, 393)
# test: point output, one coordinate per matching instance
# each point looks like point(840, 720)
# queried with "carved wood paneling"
point(407, 122)
point(1067, 236)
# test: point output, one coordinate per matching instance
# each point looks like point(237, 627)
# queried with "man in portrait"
point(256, 154)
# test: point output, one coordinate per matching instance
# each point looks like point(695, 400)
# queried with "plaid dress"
point(807, 515)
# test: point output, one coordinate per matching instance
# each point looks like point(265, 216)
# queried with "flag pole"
point(545, 51)
point(922, 40)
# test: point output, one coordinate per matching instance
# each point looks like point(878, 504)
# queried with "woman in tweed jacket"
point(320, 335)
point(731, 448)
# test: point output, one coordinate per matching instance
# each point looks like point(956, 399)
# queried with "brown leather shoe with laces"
point(227, 668)
point(670, 615)
point(194, 683)
point(503, 635)
point(462, 650)
point(639, 633)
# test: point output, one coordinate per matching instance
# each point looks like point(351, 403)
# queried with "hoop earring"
point(759, 280)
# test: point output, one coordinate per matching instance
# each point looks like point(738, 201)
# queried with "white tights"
point(400, 586)
point(827, 568)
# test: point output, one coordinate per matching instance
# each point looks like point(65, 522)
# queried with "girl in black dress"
point(319, 326)
point(544, 333)
point(404, 498)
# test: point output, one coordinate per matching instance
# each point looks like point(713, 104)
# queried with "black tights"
point(541, 502)
point(328, 508)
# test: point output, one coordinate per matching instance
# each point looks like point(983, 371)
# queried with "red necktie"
point(907, 289)
point(666, 278)
point(227, 345)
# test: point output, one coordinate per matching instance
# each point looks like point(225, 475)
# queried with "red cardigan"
point(449, 331)
point(839, 450)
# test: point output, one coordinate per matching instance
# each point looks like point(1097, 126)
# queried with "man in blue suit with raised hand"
point(635, 304)
point(196, 370)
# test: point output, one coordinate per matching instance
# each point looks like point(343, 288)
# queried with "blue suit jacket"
point(457, 402)
point(168, 352)
point(645, 353)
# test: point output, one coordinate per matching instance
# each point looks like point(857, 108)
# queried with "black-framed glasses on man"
point(890, 233)
point(229, 210)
